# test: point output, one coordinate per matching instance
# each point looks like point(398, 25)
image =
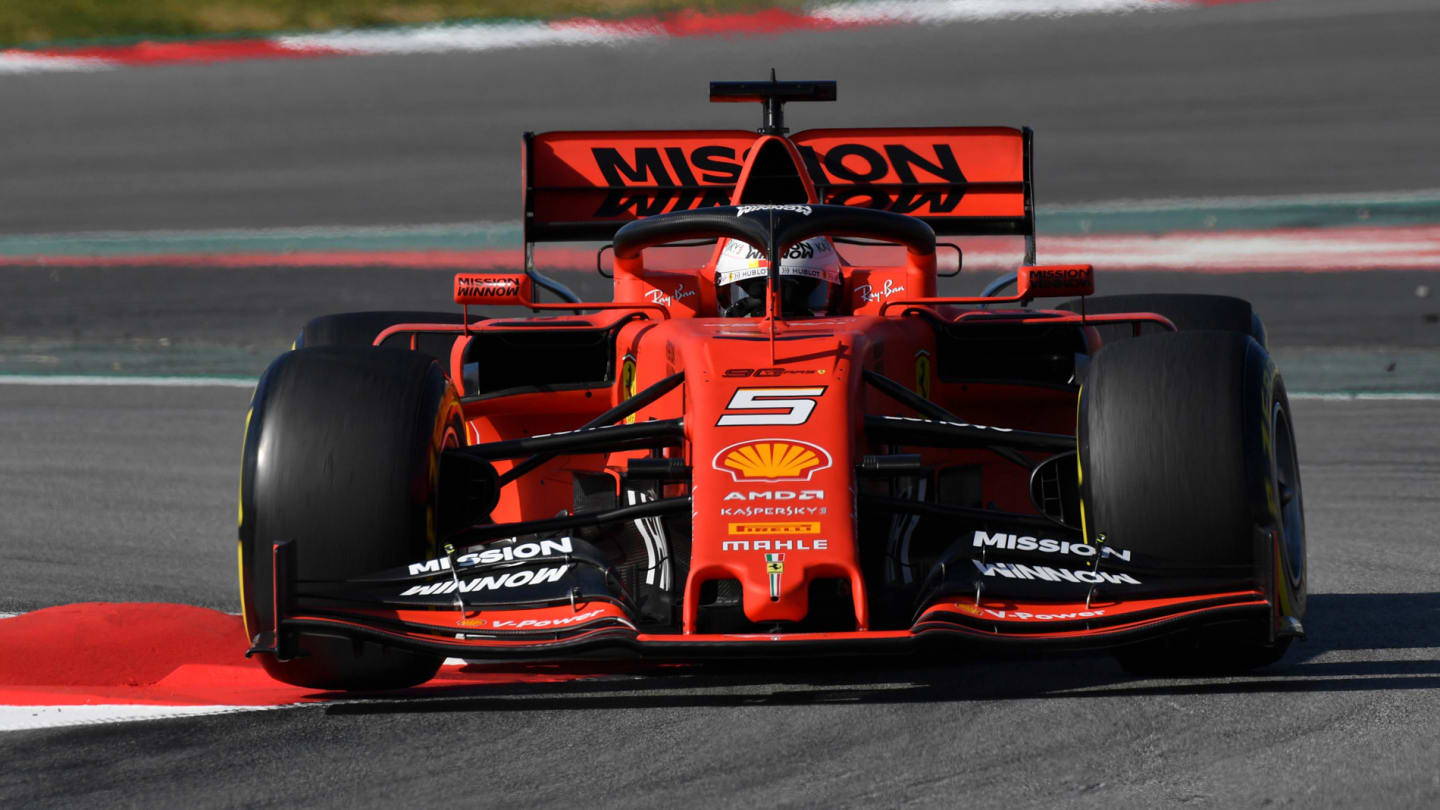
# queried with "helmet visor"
point(810, 279)
point(799, 297)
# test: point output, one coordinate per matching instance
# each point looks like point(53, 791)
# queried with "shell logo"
point(772, 460)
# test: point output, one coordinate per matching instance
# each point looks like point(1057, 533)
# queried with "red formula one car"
point(778, 451)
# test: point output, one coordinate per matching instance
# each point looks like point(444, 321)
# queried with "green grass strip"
point(44, 23)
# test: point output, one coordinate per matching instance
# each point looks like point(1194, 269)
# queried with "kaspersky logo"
point(772, 460)
point(775, 567)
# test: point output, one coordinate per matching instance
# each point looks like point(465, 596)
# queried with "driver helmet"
point(810, 279)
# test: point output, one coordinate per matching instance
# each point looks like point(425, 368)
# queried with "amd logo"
point(778, 495)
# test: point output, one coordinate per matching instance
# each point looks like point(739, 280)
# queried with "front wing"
point(567, 605)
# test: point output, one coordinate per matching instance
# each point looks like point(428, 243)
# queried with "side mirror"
point(1055, 281)
point(493, 289)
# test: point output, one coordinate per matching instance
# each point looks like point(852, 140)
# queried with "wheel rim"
point(1287, 483)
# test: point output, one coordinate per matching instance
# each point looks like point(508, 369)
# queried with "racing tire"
point(1187, 311)
point(1188, 456)
point(341, 457)
point(361, 328)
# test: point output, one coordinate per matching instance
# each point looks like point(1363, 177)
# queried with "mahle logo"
point(772, 460)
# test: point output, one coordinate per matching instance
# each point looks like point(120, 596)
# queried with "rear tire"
point(1187, 311)
point(1187, 455)
point(341, 457)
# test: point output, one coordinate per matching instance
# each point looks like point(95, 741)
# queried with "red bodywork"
point(775, 411)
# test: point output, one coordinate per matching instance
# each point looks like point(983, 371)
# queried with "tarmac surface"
point(127, 493)
point(1267, 98)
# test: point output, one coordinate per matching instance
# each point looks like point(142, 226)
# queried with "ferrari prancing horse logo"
point(775, 567)
point(923, 373)
point(627, 383)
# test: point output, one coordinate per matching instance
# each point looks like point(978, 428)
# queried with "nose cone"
point(771, 449)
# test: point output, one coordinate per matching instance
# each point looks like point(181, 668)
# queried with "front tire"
point(341, 457)
point(1188, 456)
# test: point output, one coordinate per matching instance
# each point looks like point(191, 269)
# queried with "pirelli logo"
point(795, 527)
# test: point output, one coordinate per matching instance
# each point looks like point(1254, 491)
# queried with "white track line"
point(26, 718)
point(471, 38)
point(931, 12)
point(300, 231)
point(1368, 396)
point(1147, 205)
point(108, 380)
point(21, 62)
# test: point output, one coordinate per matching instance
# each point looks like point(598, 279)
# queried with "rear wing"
point(962, 181)
point(582, 186)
